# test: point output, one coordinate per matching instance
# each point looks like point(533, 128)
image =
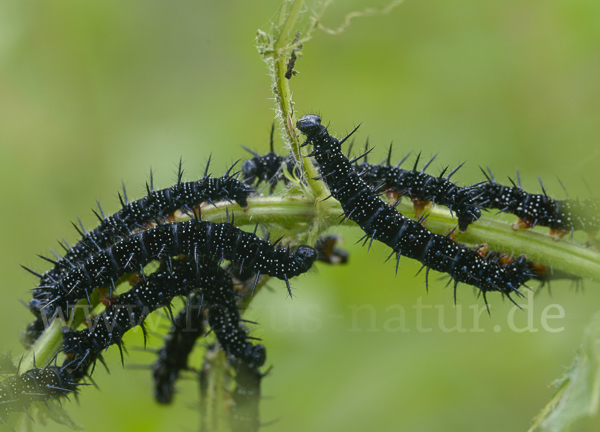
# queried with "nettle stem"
point(277, 54)
point(297, 211)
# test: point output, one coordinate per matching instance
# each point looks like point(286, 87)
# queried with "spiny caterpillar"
point(542, 273)
point(561, 216)
point(193, 238)
point(157, 207)
point(423, 187)
point(268, 167)
point(178, 278)
point(406, 237)
point(187, 327)
point(19, 391)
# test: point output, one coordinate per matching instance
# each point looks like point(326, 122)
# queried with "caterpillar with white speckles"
point(540, 272)
point(268, 167)
point(178, 278)
point(18, 392)
point(561, 216)
point(155, 208)
point(195, 239)
point(406, 237)
point(424, 187)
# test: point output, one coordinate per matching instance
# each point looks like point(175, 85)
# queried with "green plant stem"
point(48, 345)
point(216, 402)
point(45, 348)
point(561, 255)
point(283, 95)
point(287, 22)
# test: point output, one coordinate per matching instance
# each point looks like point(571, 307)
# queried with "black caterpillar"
point(131, 308)
point(267, 168)
point(424, 187)
point(382, 222)
point(561, 216)
point(155, 208)
point(192, 238)
point(18, 392)
point(188, 326)
point(179, 278)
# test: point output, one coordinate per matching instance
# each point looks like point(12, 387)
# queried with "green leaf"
point(578, 389)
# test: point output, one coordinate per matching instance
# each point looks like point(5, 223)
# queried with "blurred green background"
point(93, 93)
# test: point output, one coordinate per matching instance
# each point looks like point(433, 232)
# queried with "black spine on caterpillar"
point(406, 237)
point(188, 326)
point(245, 415)
point(156, 207)
point(178, 278)
point(540, 209)
point(418, 184)
point(194, 238)
point(267, 168)
point(35, 385)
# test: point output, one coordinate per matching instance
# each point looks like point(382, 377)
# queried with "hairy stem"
point(277, 58)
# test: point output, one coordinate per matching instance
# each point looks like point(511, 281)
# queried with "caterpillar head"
point(256, 355)
point(305, 257)
point(309, 125)
point(250, 169)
